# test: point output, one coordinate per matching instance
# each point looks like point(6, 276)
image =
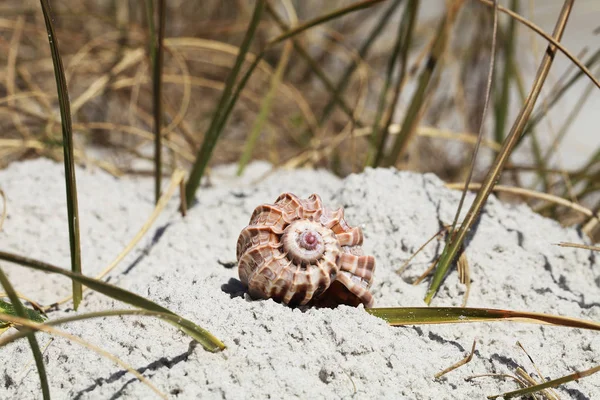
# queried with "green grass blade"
point(212, 134)
point(156, 58)
point(67, 131)
point(169, 317)
point(548, 384)
point(397, 316)
point(205, 338)
point(503, 99)
point(33, 343)
point(454, 244)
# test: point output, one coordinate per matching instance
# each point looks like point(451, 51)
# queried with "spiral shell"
point(297, 252)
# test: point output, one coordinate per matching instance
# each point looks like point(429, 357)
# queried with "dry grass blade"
point(462, 362)
point(431, 132)
point(65, 116)
point(33, 343)
point(401, 269)
point(205, 338)
point(451, 249)
point(530, 193)
point(398, 316)
point(579, 246)
point(548, 384)
point(33, 326)
point(549, 393)
point(176, 181)
point(464, 275)
point(220, 114)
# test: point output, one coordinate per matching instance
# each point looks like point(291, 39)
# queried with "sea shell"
point(297, 252)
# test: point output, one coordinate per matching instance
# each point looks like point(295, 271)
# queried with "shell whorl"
point(297, 251)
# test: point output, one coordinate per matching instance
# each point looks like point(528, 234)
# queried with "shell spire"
point(298, 252)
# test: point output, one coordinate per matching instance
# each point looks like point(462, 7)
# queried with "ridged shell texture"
point(297, 252)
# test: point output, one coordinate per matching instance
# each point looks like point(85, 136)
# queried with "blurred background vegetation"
point(396, 82)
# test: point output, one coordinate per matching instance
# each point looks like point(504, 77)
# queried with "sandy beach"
point(273, 351)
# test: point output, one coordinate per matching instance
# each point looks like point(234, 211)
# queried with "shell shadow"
point(234, 288)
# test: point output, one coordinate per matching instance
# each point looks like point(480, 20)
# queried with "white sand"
point(272, 350)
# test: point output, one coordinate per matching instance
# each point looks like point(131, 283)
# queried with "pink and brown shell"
point(297, 252)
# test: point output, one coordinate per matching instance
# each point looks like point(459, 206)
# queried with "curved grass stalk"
point(202, 336)
point(82, 317)
point(462, 263)
point(33, 326)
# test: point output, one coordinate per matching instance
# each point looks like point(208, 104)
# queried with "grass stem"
point(67, 131)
